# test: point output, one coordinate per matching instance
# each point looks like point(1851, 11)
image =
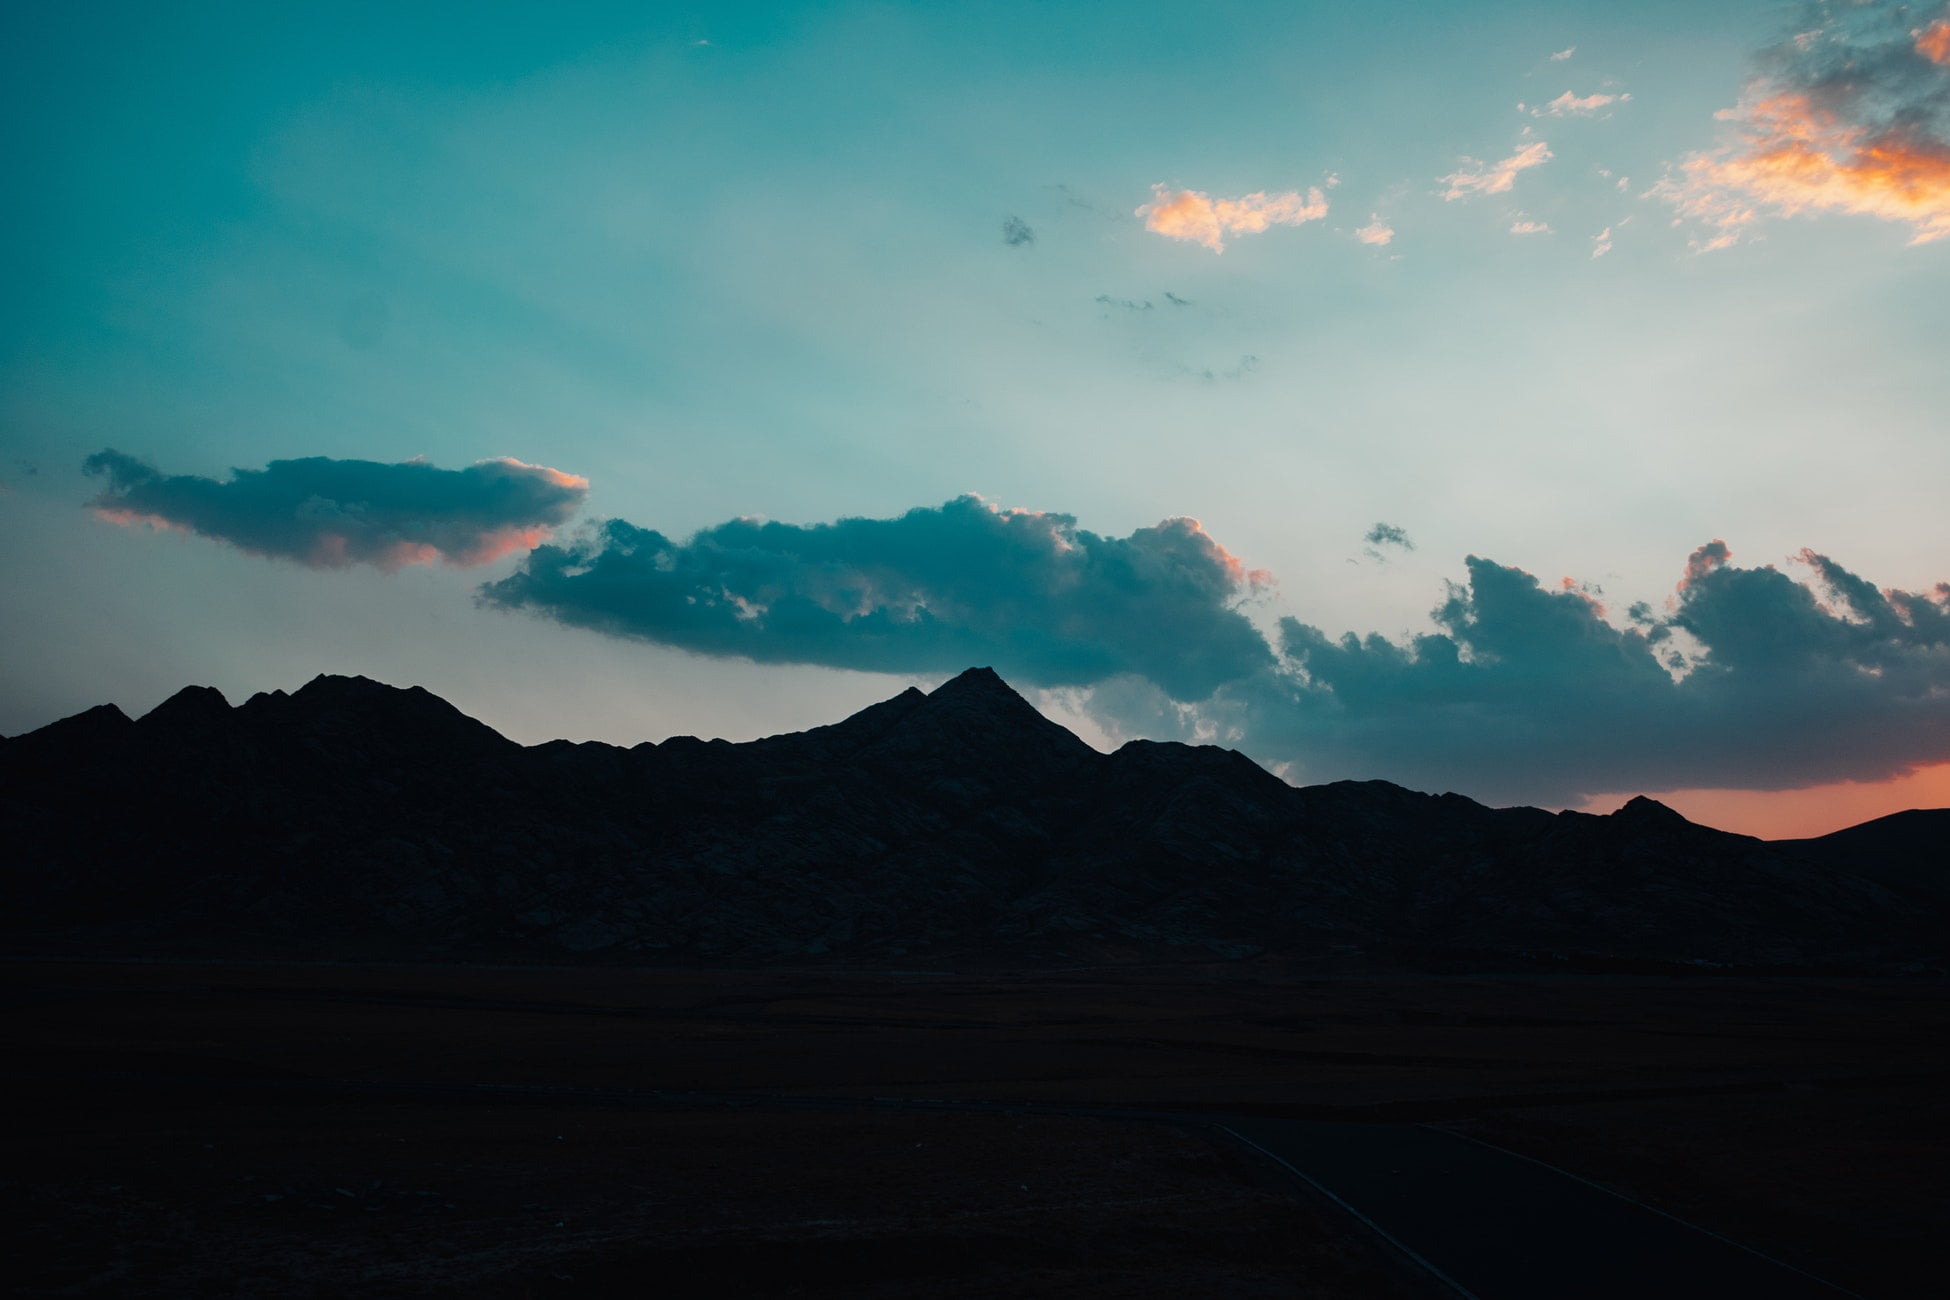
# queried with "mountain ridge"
point(351, 816)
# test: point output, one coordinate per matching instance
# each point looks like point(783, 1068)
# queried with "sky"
point(1545, 402)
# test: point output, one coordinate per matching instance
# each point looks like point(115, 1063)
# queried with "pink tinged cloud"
point(1474, 177)
point(1524, 227)
point(1601, 243)
point(331, 514)
point(1202, 219)
point(1377, 232)
point(1570, 105)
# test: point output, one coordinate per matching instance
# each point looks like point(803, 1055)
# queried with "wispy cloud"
point(1601, 243)
point(1202, 219)
point(1564, 54)
point(1474, 178)
point(333, 513)
point(1570, 105)
point(1851, 116)
point(1377, 232)
point(1525, 226)
point(1016, 232)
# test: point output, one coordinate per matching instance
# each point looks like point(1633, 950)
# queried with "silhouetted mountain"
point(357, 819)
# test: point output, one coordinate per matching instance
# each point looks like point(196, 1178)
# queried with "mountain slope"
point(352, 818)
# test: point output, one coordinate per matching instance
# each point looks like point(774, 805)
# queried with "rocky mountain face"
point(356, 819)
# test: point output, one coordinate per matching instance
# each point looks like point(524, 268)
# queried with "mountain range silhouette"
point(352, 819)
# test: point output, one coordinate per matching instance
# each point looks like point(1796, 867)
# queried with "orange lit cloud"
point(1933, 42)
point(1796, 160)
point(1202, 219)
point(1475, 177)
point(1377, 232)
point(1853, 118)
point(1525, 226)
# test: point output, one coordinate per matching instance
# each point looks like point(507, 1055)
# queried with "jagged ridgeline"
point(360, 820)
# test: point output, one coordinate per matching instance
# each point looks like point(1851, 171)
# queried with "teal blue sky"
point(732, 261)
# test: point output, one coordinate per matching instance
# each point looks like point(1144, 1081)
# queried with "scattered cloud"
point(1570, 105)
point(1385, 535)
point(1474, 177)
point(935, 589)
point(333, 513)
point(1601, 243)
point(1851, 116)
point(1202, 219)
point(1016, 232)
point(1123, 304)
point(1377, 232)
point(1388, 535)
point(1525, 226)
point(1564, 54)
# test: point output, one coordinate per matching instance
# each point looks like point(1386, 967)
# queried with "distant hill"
point(354, 819)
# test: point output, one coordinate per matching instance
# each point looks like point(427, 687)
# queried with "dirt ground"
point(179, 1141)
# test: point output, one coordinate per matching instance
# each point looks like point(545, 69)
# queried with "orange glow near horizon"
point(1799, 814)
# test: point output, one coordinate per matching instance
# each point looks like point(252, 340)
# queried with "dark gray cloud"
point(1388, 535)
point(331, 513)
point(1749, 679)
point(934, 590)
point(1016, 232)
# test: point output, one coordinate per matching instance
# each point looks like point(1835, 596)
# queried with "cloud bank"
point(329, 514)
point(1748, 679)
point(1202, 219)
point(933, 590)
point(1849, 116)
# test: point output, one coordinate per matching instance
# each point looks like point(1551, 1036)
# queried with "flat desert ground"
point(239, 1129)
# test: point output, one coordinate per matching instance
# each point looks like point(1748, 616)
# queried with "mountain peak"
point(974, 683)
point(1644, 811)
point(190, 703)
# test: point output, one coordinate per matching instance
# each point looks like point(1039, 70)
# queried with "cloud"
point(1525, 226)
point(933, 590)
point(1388, 535)
point(1570, 105)
point(1601, 243)
point(1933, 42)
point(1377, 232)
point(333, 513)
point(1526, 691)
point(1475, 177)
point(1189, 214)
point(1564, 54)
point(1016, 232)
point(1851, 116)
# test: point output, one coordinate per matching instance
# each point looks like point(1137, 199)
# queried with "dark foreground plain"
point(255, 1129)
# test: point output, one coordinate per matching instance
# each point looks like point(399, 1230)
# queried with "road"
point(1498, 1226)
point(1482, 1222)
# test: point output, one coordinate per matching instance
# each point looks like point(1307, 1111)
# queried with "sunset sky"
point(1549, 403)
